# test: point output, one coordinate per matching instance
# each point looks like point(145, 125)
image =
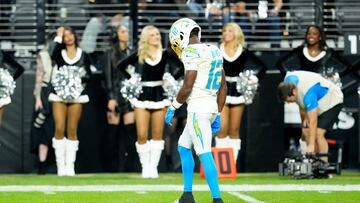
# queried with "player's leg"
point(201, 134)
point(187, 164)
point(222, 138)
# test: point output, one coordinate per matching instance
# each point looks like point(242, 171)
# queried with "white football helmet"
point(180, 33)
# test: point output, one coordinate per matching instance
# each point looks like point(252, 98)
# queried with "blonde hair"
point(143, 50)
point(239, 35)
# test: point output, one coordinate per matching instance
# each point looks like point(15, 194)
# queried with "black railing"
point(25, 24)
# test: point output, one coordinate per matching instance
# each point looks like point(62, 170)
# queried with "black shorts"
point(327, 119)
point(125, 107)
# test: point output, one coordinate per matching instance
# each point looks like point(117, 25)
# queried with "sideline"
point(137, 188)
point(246, 198)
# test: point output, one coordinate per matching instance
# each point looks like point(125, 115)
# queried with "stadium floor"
point(131, 188)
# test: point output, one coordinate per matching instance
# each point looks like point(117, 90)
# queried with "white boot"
point(156, 147)
point(144, 155)
point(71, 148)
point(59, 148)
point(235, 144)
point(222, 142)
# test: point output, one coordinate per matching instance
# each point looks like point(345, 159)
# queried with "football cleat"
point(186, 197)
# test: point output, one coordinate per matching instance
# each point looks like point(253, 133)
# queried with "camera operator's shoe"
point(186, 197)
point(329, 176)
point(218, 200)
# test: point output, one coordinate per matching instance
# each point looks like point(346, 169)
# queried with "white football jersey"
point(207, 60)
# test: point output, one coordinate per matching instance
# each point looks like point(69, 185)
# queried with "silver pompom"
point(67, 82)
point(7, 83)
point(131, 88)
point(171, 86)
point(247, 85)
point(332, 75)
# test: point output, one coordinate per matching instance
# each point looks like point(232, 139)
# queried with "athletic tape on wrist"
point(176, 104)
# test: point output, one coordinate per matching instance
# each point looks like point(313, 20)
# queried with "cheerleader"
point(40, 135)
point(15, 70)
point(151, 104)
point(118, 107)
point(236, 60)
point(67, 113)
point(314, 55)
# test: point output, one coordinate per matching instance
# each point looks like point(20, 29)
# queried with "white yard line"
point(137, 188)
point(246, 198)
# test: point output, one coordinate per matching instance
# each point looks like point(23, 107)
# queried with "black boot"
point(42, 167)
point(111, 149)
point(122, 153)
point(132, 159)
point(218, 200)
point(186, 197)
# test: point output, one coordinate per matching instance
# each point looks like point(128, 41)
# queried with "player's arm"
point(189, 80)
point(303, 117)
point(221, 96)
point(184, 92)
point(189, 57)
point(311, 103)
point(312, 120)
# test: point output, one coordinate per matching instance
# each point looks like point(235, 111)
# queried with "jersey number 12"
point(214, 81)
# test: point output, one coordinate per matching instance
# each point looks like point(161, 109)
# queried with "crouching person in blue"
point(320, 102)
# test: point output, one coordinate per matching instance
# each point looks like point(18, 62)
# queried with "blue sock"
point(211, 174)
point(187, 165)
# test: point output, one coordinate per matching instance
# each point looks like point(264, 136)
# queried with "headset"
point(113, 34)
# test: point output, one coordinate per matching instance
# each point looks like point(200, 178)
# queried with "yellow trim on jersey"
point(191, 50)
point(197, 130)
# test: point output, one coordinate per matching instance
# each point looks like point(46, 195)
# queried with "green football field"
point(125, 187)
